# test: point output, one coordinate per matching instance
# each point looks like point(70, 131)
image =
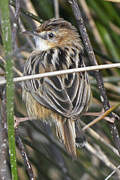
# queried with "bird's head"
point(55, 33)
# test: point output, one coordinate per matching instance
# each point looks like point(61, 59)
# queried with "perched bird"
point(62, 98)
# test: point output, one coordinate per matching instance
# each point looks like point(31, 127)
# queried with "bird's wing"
point(79, 92)
point(64, 94)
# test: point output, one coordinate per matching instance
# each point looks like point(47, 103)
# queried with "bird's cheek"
point(41, 44)
point(52, 44)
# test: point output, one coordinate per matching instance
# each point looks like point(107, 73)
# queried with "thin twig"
point(36, 18)
point(53, 162)
point(112, 79)
point(58, 145)
point(56, 8)
point(100, 155)
point(92, 25)
point(112, 173)
point(17, 71)
point(68, 71)
point(14, 68)
point(58, 158)
point(27, 38)
point(25, 157)
point(98, 76)
point(101, 117)
point(30, 7)
point(95, 135)
point(83, 31)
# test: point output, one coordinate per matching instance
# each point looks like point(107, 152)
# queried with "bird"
point(60, 99)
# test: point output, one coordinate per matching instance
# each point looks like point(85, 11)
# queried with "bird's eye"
point(51, 35)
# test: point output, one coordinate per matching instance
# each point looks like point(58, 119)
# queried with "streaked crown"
point(55, 24)
point(56, 33)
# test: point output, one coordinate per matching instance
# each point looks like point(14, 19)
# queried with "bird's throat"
point(41, 44)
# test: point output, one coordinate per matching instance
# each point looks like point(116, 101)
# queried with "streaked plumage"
point(62, 97)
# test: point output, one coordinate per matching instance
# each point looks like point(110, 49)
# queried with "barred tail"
point(66, 133)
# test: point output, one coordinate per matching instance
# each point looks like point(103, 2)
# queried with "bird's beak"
point(32, 33)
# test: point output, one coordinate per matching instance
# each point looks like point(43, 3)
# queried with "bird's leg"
point(18, 120)
point(80, 136)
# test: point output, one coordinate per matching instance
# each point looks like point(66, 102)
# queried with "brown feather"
point(65, 130)
point(62, 97)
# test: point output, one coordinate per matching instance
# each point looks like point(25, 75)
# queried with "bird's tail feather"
point(66, 133)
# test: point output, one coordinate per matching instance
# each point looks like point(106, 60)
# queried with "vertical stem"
point(6, 37)
point(56, 8)
point(98, 76)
